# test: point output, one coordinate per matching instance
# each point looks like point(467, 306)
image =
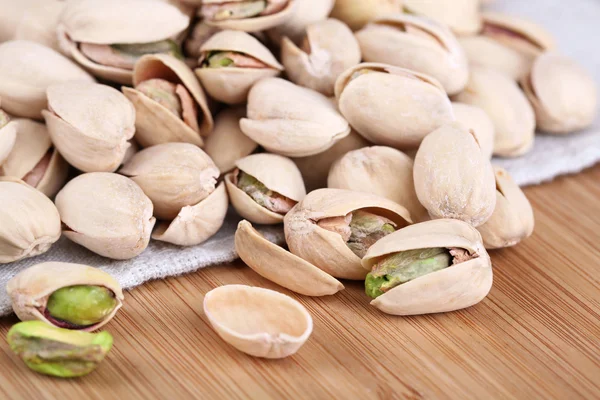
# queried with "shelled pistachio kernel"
point(262, 195)
point(81, 305)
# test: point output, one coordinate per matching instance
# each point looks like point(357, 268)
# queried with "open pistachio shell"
point(27, 69)
point(30, 289)
point(506, 105)
point(306, 13)
point(327, 249)
point(378, 101)
point(259, 322)
point(356, 13)
point(107, 213)
point(462, 16)
point(564, 96)
point(291, 120)
point(453, 288)
point(252, 24)
point(476, 120)
point(280, 266)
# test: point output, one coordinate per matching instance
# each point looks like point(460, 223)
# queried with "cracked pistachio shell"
point(29, 221)
point(419, 44)
point(378, 100)
point(306, 13)
point(116, 22)
point(173, 175)
point(90, 124)
point(107, 213)
point(564, 96)
point(453, 179)
point(512, 220)
point(462, 16)
point(30, 289)
point(259, 322)
point(27, 69)
point(291, 120)
point(324, 248)
point(255, 24)
point(456, 287)
point(280, 266)
point(278, 174)
point(506, 105)
point(231, 84)
point(357, 13)
point(477, 120)
point(34, 160)
point(154, 123)
point(379, 170)
point(329, 49)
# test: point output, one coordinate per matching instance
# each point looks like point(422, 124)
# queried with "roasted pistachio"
point(462, 16)
point(356, 13)
point(199, 35)
point(247, 15)
point(8, 136)
point(477, 121)
point(306, 13)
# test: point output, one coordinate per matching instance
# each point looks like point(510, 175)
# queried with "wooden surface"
point(536, 336)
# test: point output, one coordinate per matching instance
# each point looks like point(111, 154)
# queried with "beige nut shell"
point(255, 24)
point(356, 13)
point(32, 20)
point(462, 16)
point(8, 138)
point(476, 120)
point(307, 12)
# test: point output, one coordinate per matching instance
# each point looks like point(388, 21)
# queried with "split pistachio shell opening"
point(462, 284)
point(462, 16)
point(357, 13)
point(65, 295)
point(247, 15)
point(477, 121)
point(306, 13)
point(259, 322)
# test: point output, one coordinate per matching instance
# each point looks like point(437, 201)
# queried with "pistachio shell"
point(453, 288)
point(525, 34)
point(259, 322)
point(30, 289)
point(476, 120)
point(8, 137)
point(462, 16)
point(291, 120)
point(380, 104)
point(483, 51)
point(255, 24)
point(280, 266)
point(107, 213)
point(419, 44)
point(356, 13)
point(32, 20)
point(307, 12)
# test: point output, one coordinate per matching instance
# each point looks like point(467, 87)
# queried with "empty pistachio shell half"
point(265, 187)
point(476, 120)
point(34, 160)
point(506, 105)
point(333, 228)
point(378, 101)
point(306, 13)
point(280, 266)
point(563, 94)
point(231, 62)
point(247, 15)
point(419, 44)
point(8, 136)
point(453, 179)
point(108, 37)
point(66, 295)
point(512, 220)
point(356, 13)
point(107, 213)
point(329, 48)
point(431, 267)
point(291, 120)
point(260, 322)
point(58, 352)
point(379, 170)
point(462, 16)
point(29, 221)
point(27, 69)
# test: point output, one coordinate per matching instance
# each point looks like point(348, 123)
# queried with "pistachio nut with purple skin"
point(246, 15)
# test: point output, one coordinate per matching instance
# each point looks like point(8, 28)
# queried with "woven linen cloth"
point(575, 26)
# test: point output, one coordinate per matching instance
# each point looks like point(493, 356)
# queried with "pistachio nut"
point(306, 13)
point(108, 37)
point(58, 352)
point(333, 228)
point(506, 105)
point(453, 179)
point(227, 143)
point(280, 266)
point(247, 15)
point(29, 221)
point(133, 148)
point(169, 102)
point(231, 62)
point(173, 175)
point(379, 170)
point(291, 120)
point(65, 295)
point(107, 213)
point(264, 187)
point(90, 124)
point(27, 69)
point(563, 95)
point(476, 120)
point(431, 267)
point(8, 136)
point(259, 322)
point(357, 13)
point(462, 16)
point(328, 49)
point(419, 44)
point(378, 101)
point(34, 160)
point(199, 35)
point(512, 220)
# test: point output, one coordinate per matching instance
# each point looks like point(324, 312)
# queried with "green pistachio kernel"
point(241, 10)
point(81, 305)
point(367, 228)
point(137, 50)
point(218, 59)
point(262, 195)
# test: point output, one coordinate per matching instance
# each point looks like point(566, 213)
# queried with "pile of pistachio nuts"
point(365, 127)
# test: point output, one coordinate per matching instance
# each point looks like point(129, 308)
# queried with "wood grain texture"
point(536, 336)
